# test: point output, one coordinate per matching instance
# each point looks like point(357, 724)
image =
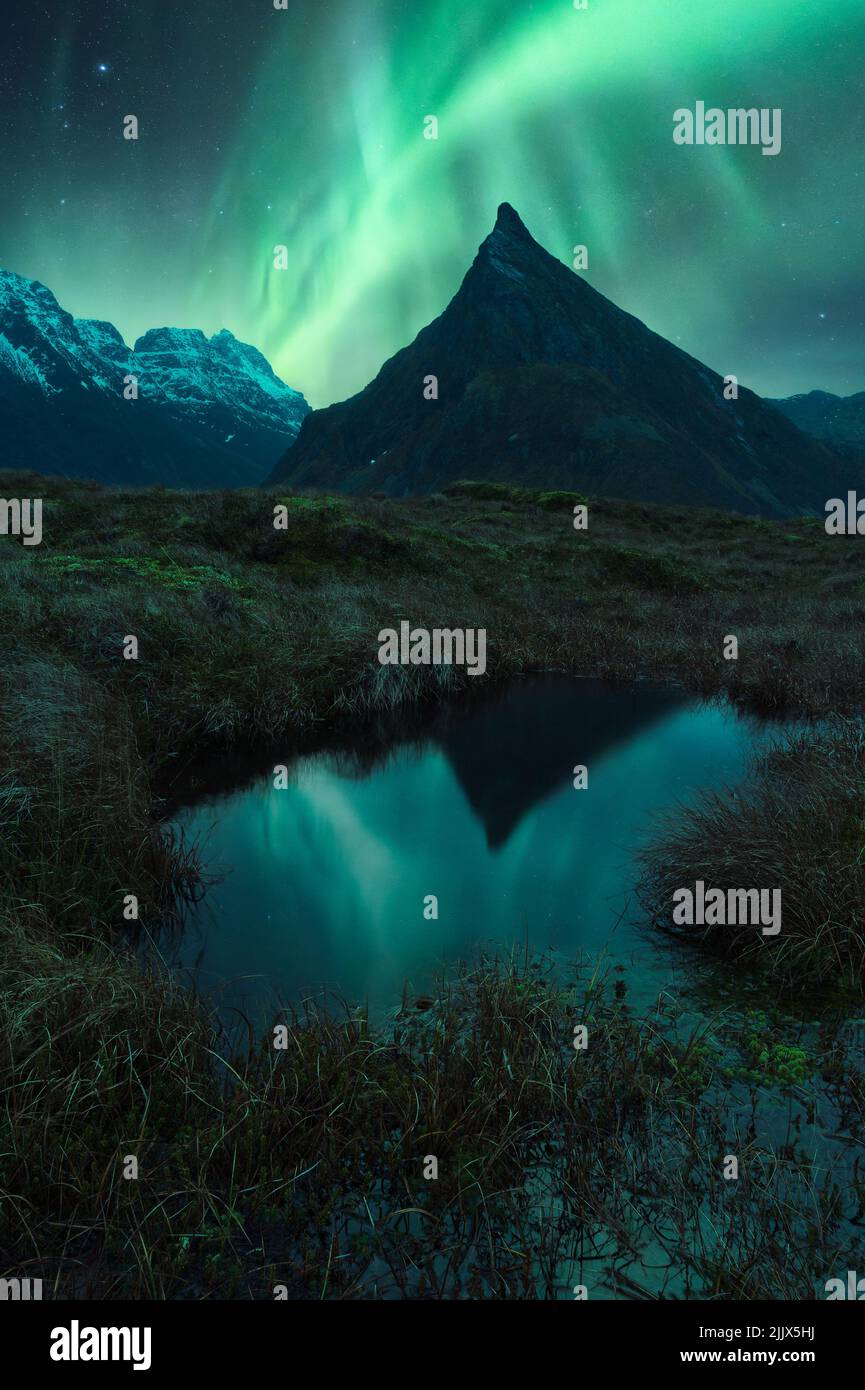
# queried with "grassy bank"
point(797, 824)
point(303, 1168)
point(246, 630)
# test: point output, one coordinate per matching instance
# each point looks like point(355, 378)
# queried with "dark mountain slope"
point(543, 381)
point(838, 419)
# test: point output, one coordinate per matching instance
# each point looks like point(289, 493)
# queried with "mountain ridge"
point(210, 412)
point(542, 381)
point(838, 419)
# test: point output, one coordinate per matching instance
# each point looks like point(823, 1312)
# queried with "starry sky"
point(304, 127)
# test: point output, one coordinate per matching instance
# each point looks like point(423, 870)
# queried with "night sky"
point(305, 127)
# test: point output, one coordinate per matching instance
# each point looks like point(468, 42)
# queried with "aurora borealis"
point(304, 127)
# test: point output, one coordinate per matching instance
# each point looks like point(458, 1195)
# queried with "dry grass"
point(798, 824)
point(305, 1167)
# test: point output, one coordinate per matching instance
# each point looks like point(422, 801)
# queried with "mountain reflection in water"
point(325, 881)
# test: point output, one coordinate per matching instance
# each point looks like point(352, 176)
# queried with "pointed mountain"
point(504, 777)
point(544, 382)
point(210, 412)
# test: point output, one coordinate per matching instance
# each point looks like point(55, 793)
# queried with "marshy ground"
point(303, 1167)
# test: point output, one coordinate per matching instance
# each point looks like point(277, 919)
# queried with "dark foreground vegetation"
point(304, 1167)
point(798, 825)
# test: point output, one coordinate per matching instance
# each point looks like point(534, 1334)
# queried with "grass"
point(303, 1168)
point(797, 825)
point(209, 586)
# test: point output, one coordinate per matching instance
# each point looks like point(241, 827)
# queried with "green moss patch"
point(151, 568)
point(647, 571)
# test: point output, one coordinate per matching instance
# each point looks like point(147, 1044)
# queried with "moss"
point(155, 569)
point(649, 571)
point(517, 496)
point(768, 1062)
point(692, 1065)
point(326, 542)
point(483, 549)
point(323, 503)
point(555, 501)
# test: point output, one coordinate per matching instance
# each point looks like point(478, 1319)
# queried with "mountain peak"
point(167, 338)
point(544, 382)
point(212, 412)
point(508, 220)
point(510, 249)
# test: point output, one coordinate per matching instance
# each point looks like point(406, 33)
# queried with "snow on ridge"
point(193, 376)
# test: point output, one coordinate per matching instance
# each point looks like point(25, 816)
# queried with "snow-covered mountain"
point(209, 412)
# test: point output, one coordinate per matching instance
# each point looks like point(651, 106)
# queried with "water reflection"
point(326, 880)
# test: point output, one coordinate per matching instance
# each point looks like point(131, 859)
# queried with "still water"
point(323, 884)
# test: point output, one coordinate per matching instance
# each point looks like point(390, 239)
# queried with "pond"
point(326, 885)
